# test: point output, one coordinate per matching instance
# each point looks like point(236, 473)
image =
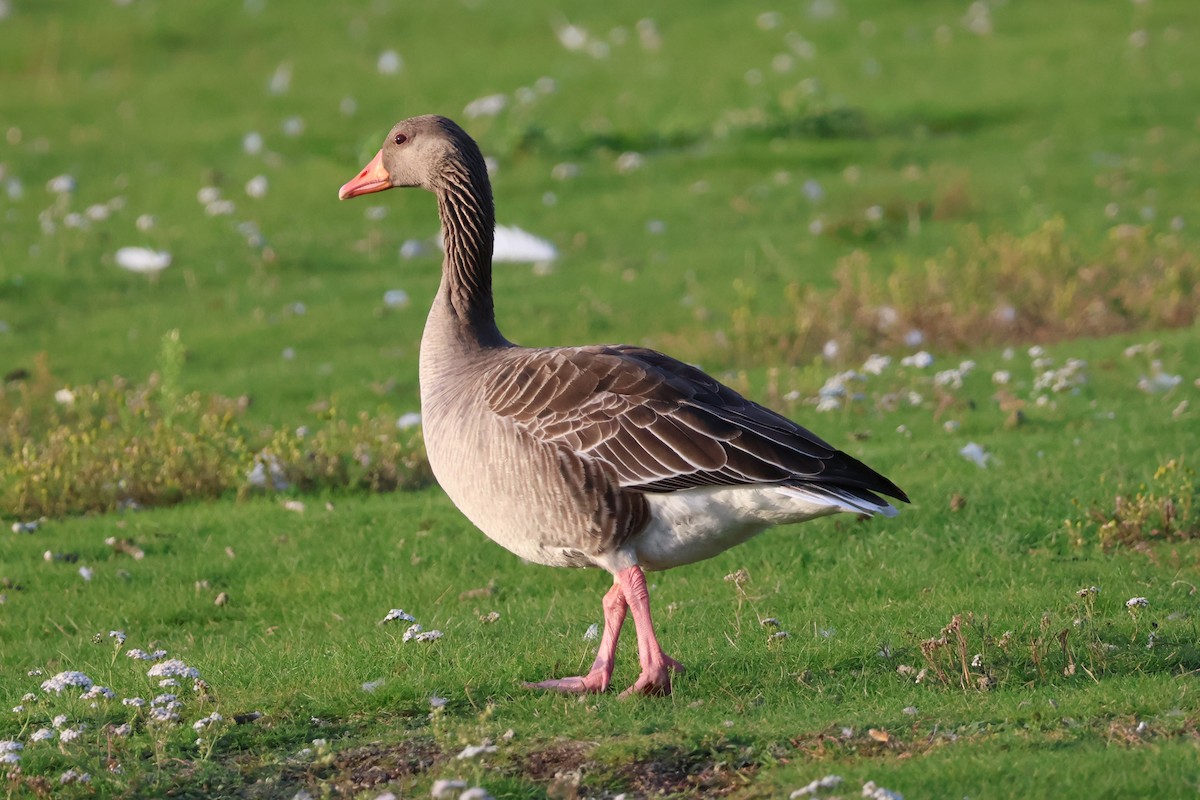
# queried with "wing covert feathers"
point(661, 425)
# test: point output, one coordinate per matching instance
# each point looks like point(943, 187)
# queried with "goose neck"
point(468, 226)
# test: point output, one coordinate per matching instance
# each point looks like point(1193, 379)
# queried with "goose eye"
point(400, 138)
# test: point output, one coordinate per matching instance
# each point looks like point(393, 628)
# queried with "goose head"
point(419, 152)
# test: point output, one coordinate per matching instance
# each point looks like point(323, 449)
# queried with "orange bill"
point(373, 178)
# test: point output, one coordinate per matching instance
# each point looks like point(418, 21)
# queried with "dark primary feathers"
point(663, 425)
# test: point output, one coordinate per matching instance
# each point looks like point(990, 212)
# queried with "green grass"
point(1056, 114)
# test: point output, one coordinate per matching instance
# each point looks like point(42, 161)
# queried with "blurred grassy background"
point(773, 142)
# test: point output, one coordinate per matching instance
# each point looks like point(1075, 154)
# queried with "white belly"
point(696, 524)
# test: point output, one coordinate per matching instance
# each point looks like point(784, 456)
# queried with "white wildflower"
point(429, 636)
point(474, 750)
point(220, 208)
point(61, 184)
point(252, 143)
point(168, 683)
point(443, 788)
point(875, 792)
point(173, 668)
point(41, 735)
point(571, 37)
point(389, 62)
point(949, 379)
point(204, 722)
point(164, 699)
point(59, 720)
point(163, 714)
point(10, 746)
point(138, 654)
point(371, 686)
point(437, 702)
point(135, 702)
point(1158, 381)
point(486, 106)
point(257, 186)
point(96, 692)
point(10, 758)
point(64, 680)
point(395, 298)
point(74, 776)
point(412, 631)
point(142, 260)
point(118, 635)
point(828, 782)
point(876, 364)
point(975, 454)
point(629, 161)
point(920, 360)
point(70, 734)
point(476, 793)
point(399, 613)
point(1090, 590)
point(777, 635)
point(1137, 602)
point(123, 730)
point(1001, 377)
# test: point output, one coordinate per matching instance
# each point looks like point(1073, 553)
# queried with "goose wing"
point(662, 425)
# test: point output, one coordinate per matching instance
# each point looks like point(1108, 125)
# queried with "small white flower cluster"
point(141, 655)
point(165, 709)
point(1088, 591)
point(446, 789)
point(836, 392)
point(71, 734)
point(476, 750)
point(214, 205)
point(65, 680)
point(1136, 602)
point(10, 751)
point(953, 378)
point(173, 668)
point(97, 692)
point(416, 633)
point(922, 359)
point(41, 735)
point(828, 782)
point(876, 364)
point(1070, 375)
point(204, 722)
point(875, 792)
point(118, 635)
point(975, 453)
point(74, 776)
point(133, 702)
point(1158, 381)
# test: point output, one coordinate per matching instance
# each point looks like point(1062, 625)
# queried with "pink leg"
point(600, 674)
point(656, 665)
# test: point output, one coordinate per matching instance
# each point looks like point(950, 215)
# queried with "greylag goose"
point(607, 456)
